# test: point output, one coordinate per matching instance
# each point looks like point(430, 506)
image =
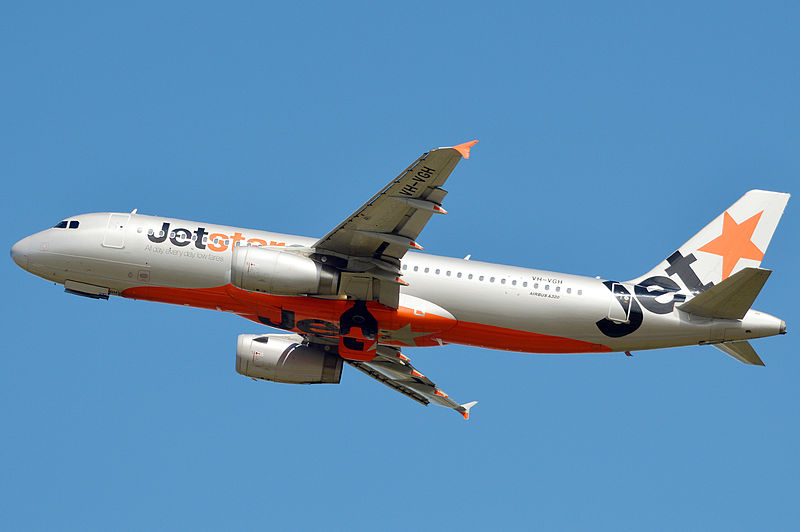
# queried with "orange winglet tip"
point(440, 393)
point(465, 407)
point(401, 356)
point(417, 374)
point(438, 209)
point(415, 245)
point(463, 149)
point(402, 282)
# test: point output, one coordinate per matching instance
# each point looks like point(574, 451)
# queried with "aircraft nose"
point(20, 253)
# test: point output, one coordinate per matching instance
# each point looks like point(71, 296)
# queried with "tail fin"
point(736, 239)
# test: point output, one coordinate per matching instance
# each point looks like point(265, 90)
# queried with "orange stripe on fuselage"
point(322, 316)
point(491, 337)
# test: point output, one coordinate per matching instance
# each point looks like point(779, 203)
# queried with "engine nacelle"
point(283, 358)
point(280, 272)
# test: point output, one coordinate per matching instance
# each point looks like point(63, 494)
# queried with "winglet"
point(465, 408)
point(463, 149)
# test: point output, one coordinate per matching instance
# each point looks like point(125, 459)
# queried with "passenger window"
point(514, 283)
point(569, 290)
point(536, 285)
point(547, 287)
point(480, 278)
point(405, 266)
point(459, 275)
point(580, 292)
point(525, 283)
point(437, 271)
point(150, 232)
point(427, 270)
point(469, 276)
point(74, 224)
point(502, 281)
point(172, 235)
point(448, 273)
point(61, 225)
point(416, 268)
point(491, 279)
point(558, 289)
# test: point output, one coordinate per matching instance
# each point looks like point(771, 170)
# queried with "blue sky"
point(609, 135)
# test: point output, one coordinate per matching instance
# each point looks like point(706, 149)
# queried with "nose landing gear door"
point(115, 230)
point(619, 309)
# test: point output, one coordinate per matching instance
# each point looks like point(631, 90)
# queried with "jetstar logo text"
point(202, 239)
point(646, 292)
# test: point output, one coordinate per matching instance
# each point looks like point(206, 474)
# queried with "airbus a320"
point(363, 292)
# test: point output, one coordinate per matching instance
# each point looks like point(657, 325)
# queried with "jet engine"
point(281, 272)
point(283, 358)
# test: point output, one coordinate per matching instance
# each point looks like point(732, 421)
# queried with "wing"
point(394, 369)
point(369, 244)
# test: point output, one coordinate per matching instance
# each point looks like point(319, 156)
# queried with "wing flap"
point(380, 377)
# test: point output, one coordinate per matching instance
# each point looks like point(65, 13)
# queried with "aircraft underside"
point(321, 318)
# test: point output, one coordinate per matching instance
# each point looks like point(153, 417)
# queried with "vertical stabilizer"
point(736, 239)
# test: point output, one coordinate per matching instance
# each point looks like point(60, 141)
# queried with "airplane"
point(360, 294)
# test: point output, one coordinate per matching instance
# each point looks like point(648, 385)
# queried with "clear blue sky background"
point(609, 135)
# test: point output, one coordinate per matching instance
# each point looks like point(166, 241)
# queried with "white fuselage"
point(489, 305)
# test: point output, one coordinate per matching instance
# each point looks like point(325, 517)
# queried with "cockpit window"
point(74, 224)
point(61, 225)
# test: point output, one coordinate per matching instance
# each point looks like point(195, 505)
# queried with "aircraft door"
point(115, 230)
point(619, 308)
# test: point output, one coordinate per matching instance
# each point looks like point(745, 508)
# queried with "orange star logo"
point(735, 243)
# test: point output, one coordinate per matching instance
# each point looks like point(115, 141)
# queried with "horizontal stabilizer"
point(741, 351)
point(730, 299)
